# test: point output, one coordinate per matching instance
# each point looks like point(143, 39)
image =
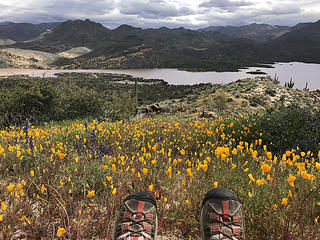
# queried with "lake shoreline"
point(300, 73)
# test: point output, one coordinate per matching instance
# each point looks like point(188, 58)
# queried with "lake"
point(299, 72)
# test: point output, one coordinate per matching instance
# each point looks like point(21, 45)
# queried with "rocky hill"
point(19, 32)
point(300, 44)
point(259, 33)
point(244, 96)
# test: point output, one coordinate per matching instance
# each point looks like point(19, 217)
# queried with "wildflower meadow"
point(67, 181)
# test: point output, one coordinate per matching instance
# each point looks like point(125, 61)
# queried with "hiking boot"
point(221, 216)
point(137, 219)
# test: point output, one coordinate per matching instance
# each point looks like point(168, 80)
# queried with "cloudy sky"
point(156, 13)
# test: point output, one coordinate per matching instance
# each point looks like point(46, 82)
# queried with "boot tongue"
point(217, 205)
point(132, 206)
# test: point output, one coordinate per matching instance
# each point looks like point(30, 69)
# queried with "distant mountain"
point(259, 33)
point(215, 48)
point(23, 31)
point(67, 35)
point(300, 25)
point(300, 44)
point(130, 47)
point(4, 23)
point(77, 32)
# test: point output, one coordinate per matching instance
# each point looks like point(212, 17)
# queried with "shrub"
point(40, 101)
point(271, 92)
point(291, 127)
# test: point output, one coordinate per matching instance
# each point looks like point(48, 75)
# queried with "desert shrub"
point(271, 92)
point(216, 102)
point(257, 100)
point(290, 127)
point(36, 101)
point(40, 101)
point(281, 129)
point(121, 106)
point(78, 102)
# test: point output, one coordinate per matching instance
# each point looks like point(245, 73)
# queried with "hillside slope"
point(250, 95)
point(259, 33)
point(301, 44)
point(24, 31)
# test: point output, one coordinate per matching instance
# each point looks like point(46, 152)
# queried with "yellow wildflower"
point(291, 180)
point(61, 155)
point(306, 176)
point(169, 171)
point(3, 206)
point(265, 167)
point(60, 232)
point(11, 187)
point(284, 201)
point(251, 178)
point(145, 171)
point(183, 152)
point(114, 191)
point(318, 166)
point(269, 155)
point(109, 179)
point(91, 193)
point(215, 184)
point(234, 151)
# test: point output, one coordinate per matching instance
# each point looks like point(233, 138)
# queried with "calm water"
point(299, 72)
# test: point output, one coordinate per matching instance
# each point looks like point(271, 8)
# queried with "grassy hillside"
point(73, 174)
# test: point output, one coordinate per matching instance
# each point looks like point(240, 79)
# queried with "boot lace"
point(137, 225)
point(227, 221)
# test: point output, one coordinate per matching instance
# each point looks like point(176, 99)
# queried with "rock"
point(208, 114)
point(151, 110)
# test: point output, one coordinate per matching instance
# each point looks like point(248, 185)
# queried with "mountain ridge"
point(126, 46)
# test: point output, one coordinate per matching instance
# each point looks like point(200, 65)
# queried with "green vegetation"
point(75, 173)
point(75, 95)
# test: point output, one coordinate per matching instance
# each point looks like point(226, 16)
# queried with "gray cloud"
point(170, 13)
point(225, 4)
point(58, 10)
point(284, 9)
point(152, 9)
point(278, 14)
